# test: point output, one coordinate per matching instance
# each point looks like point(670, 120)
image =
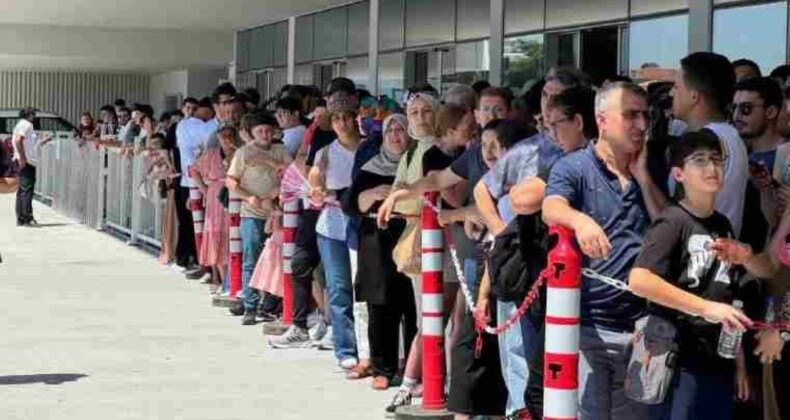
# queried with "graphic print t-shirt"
point(678, 249)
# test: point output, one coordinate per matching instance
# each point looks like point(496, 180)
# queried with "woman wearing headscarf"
point(388, 293)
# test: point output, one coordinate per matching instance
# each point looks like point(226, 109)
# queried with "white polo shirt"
point(192, 135)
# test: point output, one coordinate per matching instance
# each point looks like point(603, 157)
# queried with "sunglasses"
point(744, 108)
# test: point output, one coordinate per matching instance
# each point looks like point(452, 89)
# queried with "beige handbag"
point(408, 250)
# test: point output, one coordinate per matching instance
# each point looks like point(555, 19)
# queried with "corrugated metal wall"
point(70, 94)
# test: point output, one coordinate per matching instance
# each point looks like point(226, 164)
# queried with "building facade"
point(387, 45)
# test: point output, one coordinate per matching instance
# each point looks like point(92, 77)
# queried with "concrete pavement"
point(91, 328)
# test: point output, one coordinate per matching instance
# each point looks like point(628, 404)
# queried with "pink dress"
point(268, 274)
point(214, 250)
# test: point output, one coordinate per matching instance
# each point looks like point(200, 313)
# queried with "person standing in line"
point(258, 186)
point(605, 194)
point(702, 93)
point(9, 182)
point(289, 117)
point(25, 141)
point(185, 234)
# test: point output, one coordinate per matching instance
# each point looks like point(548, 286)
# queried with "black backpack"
point(518, 257)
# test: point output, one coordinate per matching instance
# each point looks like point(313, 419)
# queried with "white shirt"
point(292, 139)
point(24, 128)
point(332, 222)
point(730, 200)
point(192, 134)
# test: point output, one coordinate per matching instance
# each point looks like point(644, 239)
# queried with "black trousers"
point(305, 259)
point(186, 252)
point(24, 195)
point(383, 326)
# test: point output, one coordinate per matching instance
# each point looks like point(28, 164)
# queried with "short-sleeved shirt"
point(435, 159)
point(24, 128)
point(333, 222)
point(677, 249)
point(258, 180)
point(292, 139)
point(522, 161)
point(470, 166)
point(584, 180)
point(409, 171)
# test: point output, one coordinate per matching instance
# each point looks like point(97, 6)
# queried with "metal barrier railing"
point(99, 187)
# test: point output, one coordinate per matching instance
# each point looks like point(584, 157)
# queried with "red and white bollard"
point(290, 222)
point(198, 216)
point(563, 301)
point(432, 328)
point(234, 239)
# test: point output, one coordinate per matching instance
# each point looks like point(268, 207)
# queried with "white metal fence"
point(98, 187)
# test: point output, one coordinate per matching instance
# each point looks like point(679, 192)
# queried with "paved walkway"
point(94, 329)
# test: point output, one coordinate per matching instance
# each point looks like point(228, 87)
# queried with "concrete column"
point(232, 65)
point(373, 48)
point(497, 42)
point(291, 74)
point(700, 25)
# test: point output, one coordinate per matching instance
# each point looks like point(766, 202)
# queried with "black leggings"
point(384, 323)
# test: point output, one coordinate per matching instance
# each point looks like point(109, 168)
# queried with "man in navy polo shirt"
point(606, 195)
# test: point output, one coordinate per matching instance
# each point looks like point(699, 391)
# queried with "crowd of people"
point(676, 192)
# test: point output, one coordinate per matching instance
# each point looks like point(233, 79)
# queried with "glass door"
point(597, 51)
point(432, 66)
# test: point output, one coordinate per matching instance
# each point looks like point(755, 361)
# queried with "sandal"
point(359, 372)
point(380, 383)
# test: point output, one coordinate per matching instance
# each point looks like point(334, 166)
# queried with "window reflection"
point(391, 75)
point(524, 61)
point(666, 37)
point(758, 33)
point(357, 70)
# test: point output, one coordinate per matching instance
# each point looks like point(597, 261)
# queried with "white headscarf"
point(433, 102)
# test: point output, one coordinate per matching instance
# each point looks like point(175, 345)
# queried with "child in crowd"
point(680, 273)
point(258, 187)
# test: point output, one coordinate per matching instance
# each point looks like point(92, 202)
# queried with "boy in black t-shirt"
point(686, 282)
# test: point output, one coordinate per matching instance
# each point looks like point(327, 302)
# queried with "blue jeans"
point(696, 397)
point(253, 238)
point(603, 361)
point(337, 273)
point(516, 346)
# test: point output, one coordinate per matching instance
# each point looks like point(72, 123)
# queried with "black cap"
point(341, 84)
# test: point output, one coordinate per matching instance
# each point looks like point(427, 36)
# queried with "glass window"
point(523, 15)
point(646, 7)
point(560, 13)
point(667, 36)
point(471, 63)
point(261, 47)
point(474, 19)
point(391, 75)
point(357, 70)
point(358, 24)
point(304, 39)
point(758, 33)
point(429, 22)
point(243, 51)
point(390, 24)
point(303, 74)
point(329, 34)
point(524, 61)
point(280, 44)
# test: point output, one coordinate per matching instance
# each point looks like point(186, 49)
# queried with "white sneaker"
point(326, 342)
point(348, 364)
point(293, 338)
point(318, 331)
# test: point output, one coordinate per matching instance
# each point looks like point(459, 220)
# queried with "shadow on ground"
point(48, 378)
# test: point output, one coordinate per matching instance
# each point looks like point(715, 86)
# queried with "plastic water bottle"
point(730, 341)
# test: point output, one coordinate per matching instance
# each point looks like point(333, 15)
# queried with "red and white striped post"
point(290, 222)
point(198, 216)
point(563, 301)
point(432, 328)
point(234, 239)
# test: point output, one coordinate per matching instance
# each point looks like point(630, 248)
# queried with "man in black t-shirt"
point(681, 274)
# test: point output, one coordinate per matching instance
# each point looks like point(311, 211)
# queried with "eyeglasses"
point(552, 125)
point(744, 108)
point(702, 160)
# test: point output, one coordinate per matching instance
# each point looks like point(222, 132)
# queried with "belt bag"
point(653, 360)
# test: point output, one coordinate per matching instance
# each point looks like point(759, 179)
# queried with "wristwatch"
point(785, 336)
